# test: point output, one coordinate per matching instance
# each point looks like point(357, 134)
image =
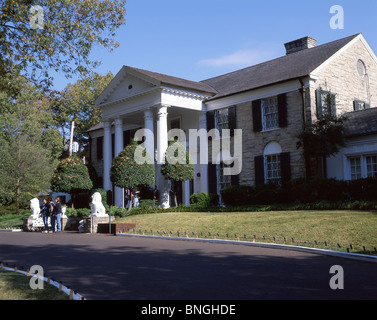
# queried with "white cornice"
point(185, 93)
point(129, 98)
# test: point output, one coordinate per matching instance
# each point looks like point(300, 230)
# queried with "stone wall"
point(341, 77)
point(90, 225)
point(255, 142)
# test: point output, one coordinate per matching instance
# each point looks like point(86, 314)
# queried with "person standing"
point(45, 213)
point(127, 198)
point(58, 210)
point(53, 214)
point(155, 195)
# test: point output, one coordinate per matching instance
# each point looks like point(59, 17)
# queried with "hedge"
point(302, 191)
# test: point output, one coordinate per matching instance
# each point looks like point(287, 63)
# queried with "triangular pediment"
point(126, 83)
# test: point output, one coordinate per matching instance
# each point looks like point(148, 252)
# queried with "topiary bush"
point(71, 175)
point(127, 173)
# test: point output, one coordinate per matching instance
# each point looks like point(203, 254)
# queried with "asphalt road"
point(105, 267)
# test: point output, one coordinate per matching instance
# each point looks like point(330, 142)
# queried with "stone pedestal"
point(91, 224)
point(72, 223)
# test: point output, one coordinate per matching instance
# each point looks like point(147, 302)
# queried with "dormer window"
point(360, 105)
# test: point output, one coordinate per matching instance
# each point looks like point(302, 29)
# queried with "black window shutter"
point(282, 109)
point(356, 105)
point(285, 166)
point(210, 120)
point(259, 170)
point(235, 179)
point(318, 94)
point(212, 178)
point(232, 119)
point(333, 105)
point(257, 115)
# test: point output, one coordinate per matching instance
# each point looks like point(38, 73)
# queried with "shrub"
point(127, 173)
point(237, 195)
point(203, 200)
point(71, 175)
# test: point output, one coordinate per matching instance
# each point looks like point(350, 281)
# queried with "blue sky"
point(200, 39)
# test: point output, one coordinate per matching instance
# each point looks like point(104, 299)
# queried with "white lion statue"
point(35, 209)
point(98, 210)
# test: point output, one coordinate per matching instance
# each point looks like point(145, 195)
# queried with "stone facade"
point(341, 77)
point(255, 142)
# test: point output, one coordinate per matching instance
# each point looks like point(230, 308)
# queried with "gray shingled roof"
point(178, 82)
point(360, 123)
point(292, 66)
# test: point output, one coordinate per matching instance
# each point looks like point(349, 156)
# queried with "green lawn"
point(307, 228)
point(12, 220)
point(16, 286)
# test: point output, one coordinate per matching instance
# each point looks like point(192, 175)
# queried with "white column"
point(162, 145)
point(149, 139)
point(107, 153)
point(162, 133)
point(203, 148)
point(118, 148)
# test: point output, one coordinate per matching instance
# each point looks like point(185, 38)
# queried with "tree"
point(37, 38)
point(76, 103)
point(71, 176)
point(324, 137)
point(27, 142)
point(178, 165)
point(127, 173)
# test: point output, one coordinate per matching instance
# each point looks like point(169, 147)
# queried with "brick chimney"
point(300, 44)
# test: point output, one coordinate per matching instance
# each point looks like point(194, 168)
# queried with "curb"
point(11, 230)
point(73, 295)
point(338, 254)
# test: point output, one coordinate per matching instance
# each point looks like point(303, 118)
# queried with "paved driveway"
point(109, 267)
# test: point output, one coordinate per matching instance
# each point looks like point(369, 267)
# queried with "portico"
point(138, 99)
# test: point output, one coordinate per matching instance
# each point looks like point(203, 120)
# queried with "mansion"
point(270, 102)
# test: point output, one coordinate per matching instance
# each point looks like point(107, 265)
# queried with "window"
point(362, 166)
point(372, 166)
point(175, 123)
point(360, 105)
point(274, 166)
point(361, 69)
point(224, 180)
point(272, 169)
point(270, 114)
point(222, 119)
point(355, 164)
point(326, 103)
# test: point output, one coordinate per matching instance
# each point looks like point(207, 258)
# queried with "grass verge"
point(338, 230)
point(16, 286)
